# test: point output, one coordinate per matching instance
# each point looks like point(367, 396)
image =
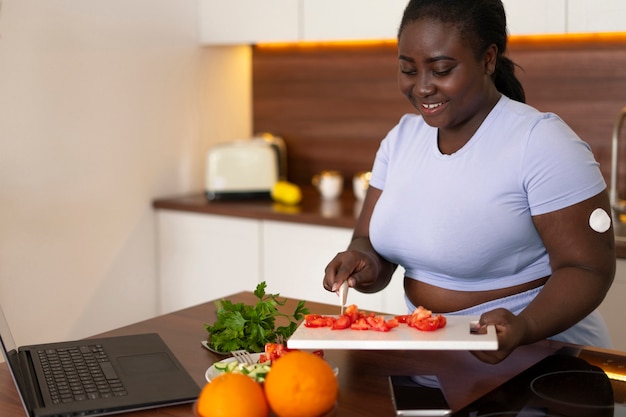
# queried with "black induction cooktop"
point(572, 382)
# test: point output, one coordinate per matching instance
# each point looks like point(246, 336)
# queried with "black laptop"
point(96, 377)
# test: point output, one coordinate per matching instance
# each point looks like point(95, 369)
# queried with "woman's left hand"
point(510, 329)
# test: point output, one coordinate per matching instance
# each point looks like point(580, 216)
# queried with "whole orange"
point(232, 395)
point(301, 384)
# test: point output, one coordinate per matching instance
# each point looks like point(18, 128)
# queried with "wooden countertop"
point(363, 387)
point(312, 210)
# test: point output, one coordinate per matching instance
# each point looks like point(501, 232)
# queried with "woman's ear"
point(489, 59)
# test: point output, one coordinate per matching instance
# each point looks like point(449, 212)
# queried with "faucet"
point(616, 205)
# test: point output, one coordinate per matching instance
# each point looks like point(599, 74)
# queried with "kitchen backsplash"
point(332, 104)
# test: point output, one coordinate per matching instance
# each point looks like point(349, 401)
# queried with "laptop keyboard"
point(79, 373)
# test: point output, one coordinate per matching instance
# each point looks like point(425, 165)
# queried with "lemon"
point(286, 192)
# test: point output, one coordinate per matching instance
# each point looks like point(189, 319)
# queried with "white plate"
point(212, 373)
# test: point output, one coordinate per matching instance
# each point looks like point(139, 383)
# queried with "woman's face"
point(442, 78)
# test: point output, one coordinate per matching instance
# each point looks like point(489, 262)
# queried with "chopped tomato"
point(342, 322)
point(392, 323)
point(316, 320)
point(402, 319)
point(428, 324)
point(423, 319)
point(274, 351)
point(352, 311)
point(377, 323)
point(360, 324)
point(353, 318)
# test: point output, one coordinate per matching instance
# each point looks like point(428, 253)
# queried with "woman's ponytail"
point(505, 80)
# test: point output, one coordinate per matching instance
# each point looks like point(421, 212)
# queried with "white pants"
point(590, 331)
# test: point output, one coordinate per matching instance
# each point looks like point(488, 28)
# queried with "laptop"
point(96, 377)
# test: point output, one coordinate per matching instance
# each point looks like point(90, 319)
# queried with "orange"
point(232, 395)
point(301, 384)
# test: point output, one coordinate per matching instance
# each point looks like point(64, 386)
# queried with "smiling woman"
point(474, 160)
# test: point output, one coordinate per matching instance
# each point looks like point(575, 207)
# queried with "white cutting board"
point(454, 336)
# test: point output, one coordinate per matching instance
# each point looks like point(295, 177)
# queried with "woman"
point(484, 201)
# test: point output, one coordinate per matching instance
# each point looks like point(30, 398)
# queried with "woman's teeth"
point(431, 106)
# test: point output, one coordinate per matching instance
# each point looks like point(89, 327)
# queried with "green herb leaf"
point(241, 326)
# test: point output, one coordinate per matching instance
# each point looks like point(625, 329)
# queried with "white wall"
point(104, 105)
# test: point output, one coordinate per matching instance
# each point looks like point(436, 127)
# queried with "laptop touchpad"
point(146, 364)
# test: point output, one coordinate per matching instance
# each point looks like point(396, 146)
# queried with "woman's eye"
point(408, 71)
point(442, 72)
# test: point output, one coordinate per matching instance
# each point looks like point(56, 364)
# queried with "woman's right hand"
point(359, 268)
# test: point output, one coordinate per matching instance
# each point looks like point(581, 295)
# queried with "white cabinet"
point(596, 16)
point(205, 257)
point(612, 308)
point(294, 258)
point(248, 21)
point(253, 21)
point(535, 16)
point(351, 19)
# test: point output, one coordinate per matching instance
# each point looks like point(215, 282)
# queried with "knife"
point(343, 294)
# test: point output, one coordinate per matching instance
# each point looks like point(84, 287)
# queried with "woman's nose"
point(423, 87)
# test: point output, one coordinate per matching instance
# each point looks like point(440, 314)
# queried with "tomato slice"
point(402, 319)
point(342, 322)
point(317, 320)
point(273, 351)
point(428, 324)
point(360, 324)
point(378, 323)
point(393, 323)
point(352, 311)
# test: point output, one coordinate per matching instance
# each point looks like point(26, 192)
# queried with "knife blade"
point(343, 294)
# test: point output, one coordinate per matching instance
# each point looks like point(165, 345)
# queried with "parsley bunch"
point(250, 327)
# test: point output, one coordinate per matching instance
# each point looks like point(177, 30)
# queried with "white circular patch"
point(599, 220)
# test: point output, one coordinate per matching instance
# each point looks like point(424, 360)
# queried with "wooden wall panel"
point(333, 104)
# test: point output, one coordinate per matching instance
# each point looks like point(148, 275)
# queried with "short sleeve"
point(559, 168)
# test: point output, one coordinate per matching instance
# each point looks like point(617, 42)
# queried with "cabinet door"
point(596, 16)
point(535, 16)
point(204, 257)
point(248, 21)
point(351, 19)
point(294, 258)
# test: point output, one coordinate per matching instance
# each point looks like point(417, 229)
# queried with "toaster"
point(241, 169)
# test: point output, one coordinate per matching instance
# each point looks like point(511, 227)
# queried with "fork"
point(242, 356)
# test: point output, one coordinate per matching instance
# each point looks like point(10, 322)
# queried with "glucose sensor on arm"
point(599, 220)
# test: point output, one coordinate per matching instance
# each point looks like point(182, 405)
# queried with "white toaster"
point(241, 169)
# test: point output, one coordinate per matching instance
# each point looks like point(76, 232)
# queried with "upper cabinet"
point(324, 20)
point(535, 16)
point(249, 21)
point(596, 16)
point(252, 21)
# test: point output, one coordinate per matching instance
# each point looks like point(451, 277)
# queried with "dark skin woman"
point(453, 70)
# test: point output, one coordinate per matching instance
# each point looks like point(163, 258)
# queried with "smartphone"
point(418, 395)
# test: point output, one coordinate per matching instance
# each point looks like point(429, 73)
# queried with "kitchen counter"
point(362, 373)
point(312, 210)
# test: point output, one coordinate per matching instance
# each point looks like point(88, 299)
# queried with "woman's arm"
point(364, 269)
point(583, 266)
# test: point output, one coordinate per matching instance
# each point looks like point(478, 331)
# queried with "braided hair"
point(483, 23)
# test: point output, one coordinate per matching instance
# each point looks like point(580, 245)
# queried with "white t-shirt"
point(463, 221)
